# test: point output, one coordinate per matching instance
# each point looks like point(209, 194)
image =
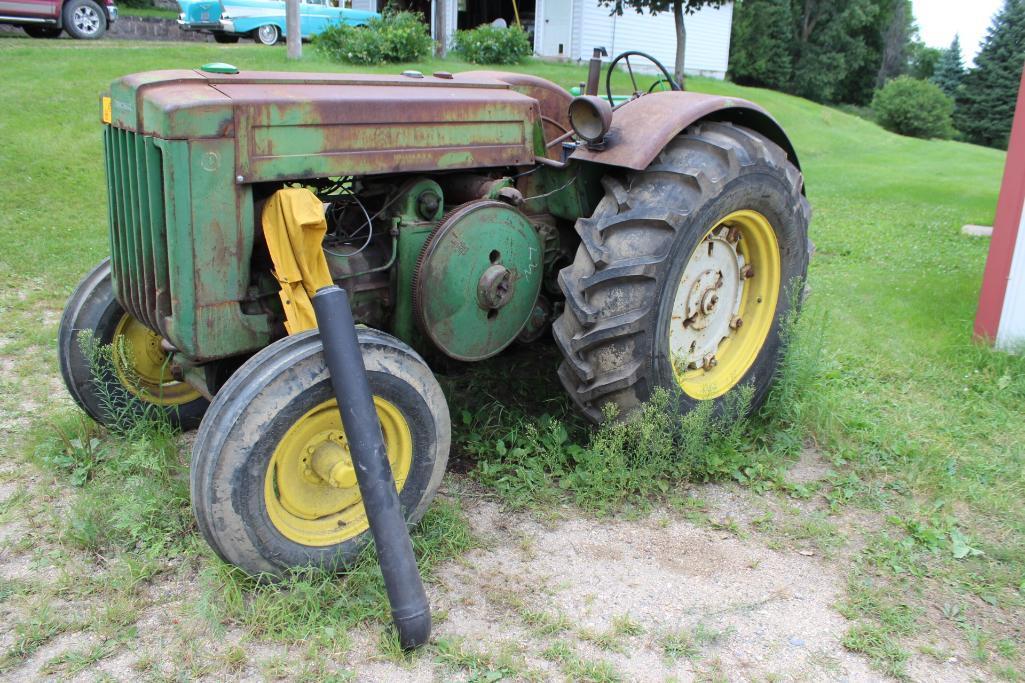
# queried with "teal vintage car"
point(262, 20)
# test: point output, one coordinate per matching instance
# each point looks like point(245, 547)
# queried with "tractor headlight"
point(591, 118)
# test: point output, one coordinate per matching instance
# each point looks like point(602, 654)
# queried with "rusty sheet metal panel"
point(552, 99)
point(301, 130)
point(171, 105)
point(642, 127)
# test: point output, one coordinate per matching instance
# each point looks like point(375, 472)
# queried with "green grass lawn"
point(920, 424)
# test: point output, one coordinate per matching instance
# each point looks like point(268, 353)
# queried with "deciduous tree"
point(679, 8)
point(760, 48)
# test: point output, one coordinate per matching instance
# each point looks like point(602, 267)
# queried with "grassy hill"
point(918, 422)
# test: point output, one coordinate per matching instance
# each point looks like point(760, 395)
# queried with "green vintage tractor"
point(655, 240)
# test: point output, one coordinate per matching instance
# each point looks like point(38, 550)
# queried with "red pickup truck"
point(85, 19)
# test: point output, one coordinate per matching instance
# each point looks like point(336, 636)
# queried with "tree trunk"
point(681, 43)
point(294, 37)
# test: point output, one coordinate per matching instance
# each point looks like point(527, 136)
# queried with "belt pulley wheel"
point(477, 279)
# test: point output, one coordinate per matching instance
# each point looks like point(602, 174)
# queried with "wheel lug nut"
point(736, 322)
point(747, 272)
point(733, 236)
point(709, 362)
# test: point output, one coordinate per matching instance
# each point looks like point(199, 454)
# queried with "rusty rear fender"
point(642, 127)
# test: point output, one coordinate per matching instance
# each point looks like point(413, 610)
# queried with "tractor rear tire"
point(109, 388)
point(259, 492)
point(641, 297)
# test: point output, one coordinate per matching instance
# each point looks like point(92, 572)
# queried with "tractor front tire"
point(684, 275)
point(272, 481)
point(132, 379)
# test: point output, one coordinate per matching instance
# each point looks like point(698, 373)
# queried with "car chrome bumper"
point(111, 14)
point(197, 26)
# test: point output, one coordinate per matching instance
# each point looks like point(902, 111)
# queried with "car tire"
point(84, 19)
point(268, 34)
point(42, 31)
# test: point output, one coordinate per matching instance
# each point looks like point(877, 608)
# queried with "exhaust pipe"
point(410, 610)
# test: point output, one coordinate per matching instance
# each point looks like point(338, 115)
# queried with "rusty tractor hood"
point(303, 125)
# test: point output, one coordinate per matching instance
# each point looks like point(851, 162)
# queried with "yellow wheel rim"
point(310, 487)
point(141, 365)
point(725, 304)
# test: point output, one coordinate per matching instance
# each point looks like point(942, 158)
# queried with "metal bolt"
point(747, 272)
point(709, 362)
point(733, 235)
point(736, 322)
point(239, 179)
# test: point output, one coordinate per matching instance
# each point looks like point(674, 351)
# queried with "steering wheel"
point(666, 78)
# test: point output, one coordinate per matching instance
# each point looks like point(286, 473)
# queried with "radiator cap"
point(219, 68)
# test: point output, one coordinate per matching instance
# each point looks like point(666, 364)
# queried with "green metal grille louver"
point(138, 236)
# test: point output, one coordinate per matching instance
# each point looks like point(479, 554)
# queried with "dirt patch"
point(809, 468)
point(763, 612)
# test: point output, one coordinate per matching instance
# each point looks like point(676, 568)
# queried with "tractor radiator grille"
point(138, 235)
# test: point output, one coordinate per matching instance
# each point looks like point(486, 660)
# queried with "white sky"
point(939, 20)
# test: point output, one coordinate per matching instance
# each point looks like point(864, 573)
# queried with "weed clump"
point(315, 605)
point(135, 491)
point(535, 462)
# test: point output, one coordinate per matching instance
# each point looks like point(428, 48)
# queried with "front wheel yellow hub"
point(140, 363)
point(310, 488)
point(725, 304)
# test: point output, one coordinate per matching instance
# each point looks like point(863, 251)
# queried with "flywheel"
point(477, 279)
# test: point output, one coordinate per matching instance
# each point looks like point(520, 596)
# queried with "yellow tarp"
point(294, 226)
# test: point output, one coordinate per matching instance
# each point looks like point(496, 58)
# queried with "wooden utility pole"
point(440, 27)
point(294, 37)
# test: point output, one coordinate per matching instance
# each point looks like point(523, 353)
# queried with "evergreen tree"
point(760, 46)
point(986, 99)
point(949, 71)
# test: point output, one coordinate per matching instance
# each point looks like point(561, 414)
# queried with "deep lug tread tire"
point(250, 414)
point(93, 308)
point(635, 245)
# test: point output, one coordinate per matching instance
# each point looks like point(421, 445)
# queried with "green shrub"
point(909, 106)
point(393, 37)
point(493, 45)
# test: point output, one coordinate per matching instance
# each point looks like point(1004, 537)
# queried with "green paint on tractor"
point(464, 214)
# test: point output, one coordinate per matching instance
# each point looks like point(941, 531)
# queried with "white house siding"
point(708, 35)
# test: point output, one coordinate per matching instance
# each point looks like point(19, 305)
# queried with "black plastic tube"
point(409, 607)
